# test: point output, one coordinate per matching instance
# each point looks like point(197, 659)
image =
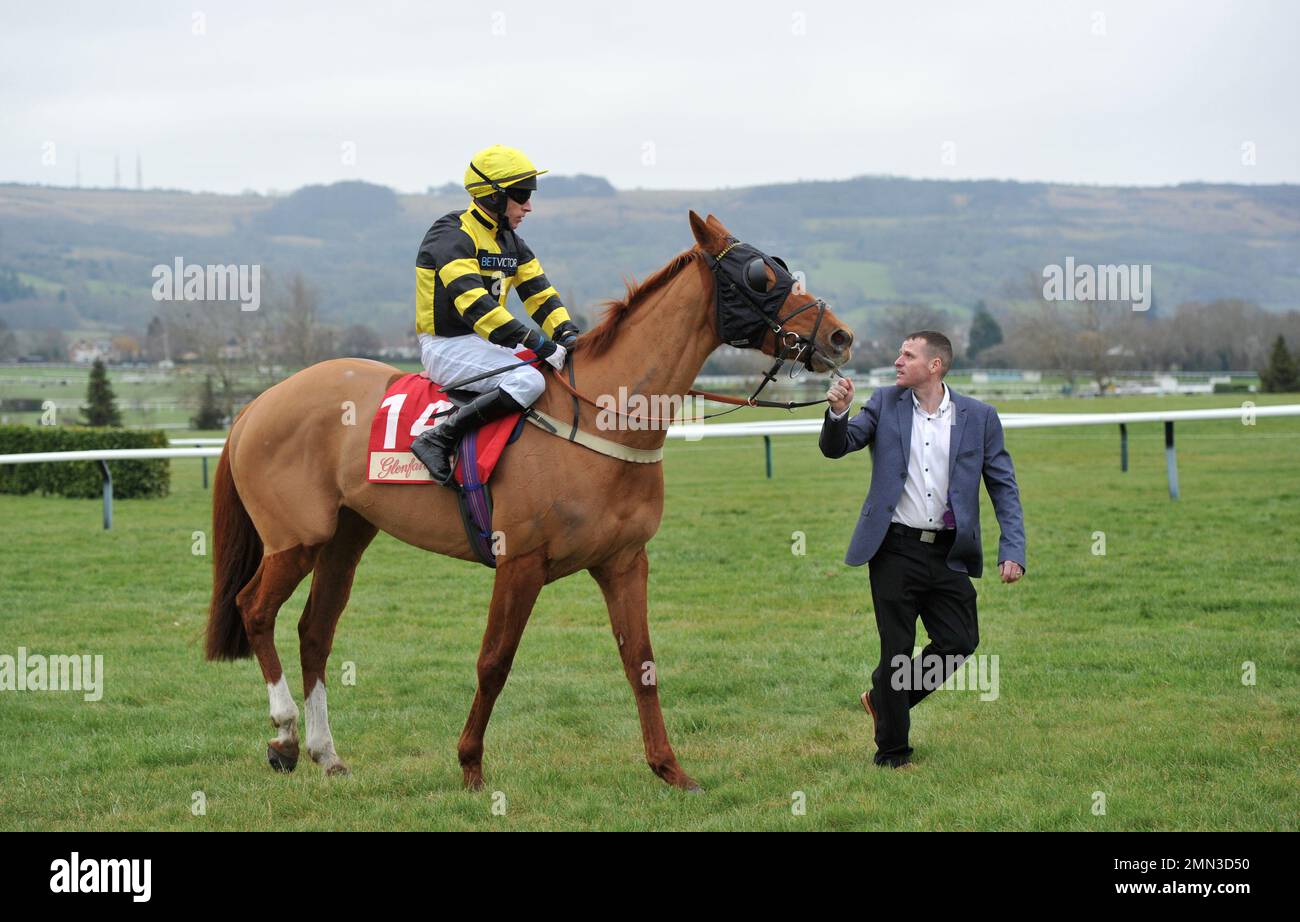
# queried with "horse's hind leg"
point(518, 581)
point(330, 586)
point(259, 601)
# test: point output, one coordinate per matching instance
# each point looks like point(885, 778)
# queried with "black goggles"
point(519, 196)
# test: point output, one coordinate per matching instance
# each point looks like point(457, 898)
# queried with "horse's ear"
point(717, 226)
point(704, 236)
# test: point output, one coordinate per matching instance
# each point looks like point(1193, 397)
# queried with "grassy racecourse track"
point(1119, 673)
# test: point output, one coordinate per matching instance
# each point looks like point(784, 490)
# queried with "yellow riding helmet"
point(498, 167)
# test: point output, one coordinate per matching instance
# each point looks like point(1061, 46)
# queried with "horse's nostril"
point(841, 339)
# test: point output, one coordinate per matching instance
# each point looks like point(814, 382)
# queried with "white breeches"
point(449, 358)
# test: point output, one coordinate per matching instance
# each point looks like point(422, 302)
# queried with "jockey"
point(466, 266)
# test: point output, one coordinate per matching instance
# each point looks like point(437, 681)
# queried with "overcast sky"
point(249, 95)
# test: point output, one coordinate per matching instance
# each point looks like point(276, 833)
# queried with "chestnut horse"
point(291, 498)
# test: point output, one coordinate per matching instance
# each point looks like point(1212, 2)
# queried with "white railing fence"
point(211, 447)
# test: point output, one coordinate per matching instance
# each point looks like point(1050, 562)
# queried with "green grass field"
point(1119, 673)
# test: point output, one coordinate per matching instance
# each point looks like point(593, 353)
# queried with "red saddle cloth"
point(404, 413)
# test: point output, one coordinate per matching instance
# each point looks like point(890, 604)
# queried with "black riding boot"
point(435, 447)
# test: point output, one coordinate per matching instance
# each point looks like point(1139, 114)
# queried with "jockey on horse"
point(466, 266)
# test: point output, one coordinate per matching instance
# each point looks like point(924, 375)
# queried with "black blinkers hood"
point(747, 310)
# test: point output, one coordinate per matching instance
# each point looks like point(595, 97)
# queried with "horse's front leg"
point(623, 580)
point(518, 581)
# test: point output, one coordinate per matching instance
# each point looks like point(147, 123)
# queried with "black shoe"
point(435, 447)
point(896, 762)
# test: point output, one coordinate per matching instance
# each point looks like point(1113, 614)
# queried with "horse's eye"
point(756, 275)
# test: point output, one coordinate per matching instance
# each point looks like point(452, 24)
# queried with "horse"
point(291, 497)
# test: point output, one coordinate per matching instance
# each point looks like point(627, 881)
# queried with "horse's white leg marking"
point(320, 742)
point(284, 713)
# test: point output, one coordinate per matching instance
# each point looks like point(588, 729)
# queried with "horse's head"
point(759, 305)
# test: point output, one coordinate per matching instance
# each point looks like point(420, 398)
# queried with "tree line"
point(1093, 340)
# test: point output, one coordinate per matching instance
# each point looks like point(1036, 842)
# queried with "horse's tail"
point(236, 555)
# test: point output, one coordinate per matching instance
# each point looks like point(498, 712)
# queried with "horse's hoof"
point(338, 768)
point(281, 761)
point(695, 789)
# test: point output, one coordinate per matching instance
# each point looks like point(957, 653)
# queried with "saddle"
point(409, 407)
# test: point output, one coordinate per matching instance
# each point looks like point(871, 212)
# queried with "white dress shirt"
point(925, 493)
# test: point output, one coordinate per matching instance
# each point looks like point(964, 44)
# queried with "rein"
point(751, 401)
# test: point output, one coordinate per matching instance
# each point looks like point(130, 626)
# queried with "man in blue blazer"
point(920, 524)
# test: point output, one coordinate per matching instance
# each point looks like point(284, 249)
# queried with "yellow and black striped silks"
point(465, 270)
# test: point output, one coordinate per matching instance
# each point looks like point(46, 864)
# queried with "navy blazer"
point(975, 449)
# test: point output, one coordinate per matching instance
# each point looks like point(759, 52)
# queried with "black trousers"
point(910, 578)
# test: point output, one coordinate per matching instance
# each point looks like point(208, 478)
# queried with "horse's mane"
point(602, 336)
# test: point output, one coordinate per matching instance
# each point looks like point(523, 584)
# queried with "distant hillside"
point(344, 209)
point(83, 258)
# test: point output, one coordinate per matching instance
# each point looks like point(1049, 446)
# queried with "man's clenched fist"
point(840, 395)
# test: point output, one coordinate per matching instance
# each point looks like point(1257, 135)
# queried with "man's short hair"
point(938, 345)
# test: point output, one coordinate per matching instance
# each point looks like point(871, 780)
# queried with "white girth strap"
point(613, 449)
